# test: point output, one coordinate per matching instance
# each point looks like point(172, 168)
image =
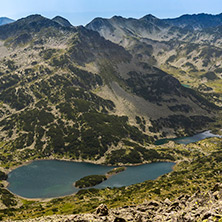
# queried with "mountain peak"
point(32, 23)
point(117, 17)
point(149, 17)
point(153, 20)
point(62, 21)
point(33, 18)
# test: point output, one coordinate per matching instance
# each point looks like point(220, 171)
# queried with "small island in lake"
point(93, 180)
point(90, 181)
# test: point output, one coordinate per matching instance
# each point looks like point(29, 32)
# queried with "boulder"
point(118, 219)
point(102, 210)
point(139, 218)
point(216, 188)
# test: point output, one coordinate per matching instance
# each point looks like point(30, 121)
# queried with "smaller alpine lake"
point(191, 139)
point(54, 178)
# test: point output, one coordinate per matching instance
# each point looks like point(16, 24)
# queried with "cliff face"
point(205, 206)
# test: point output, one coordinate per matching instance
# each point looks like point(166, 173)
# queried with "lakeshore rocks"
point(201, 206)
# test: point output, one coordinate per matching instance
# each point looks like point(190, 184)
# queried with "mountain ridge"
point(196, 21)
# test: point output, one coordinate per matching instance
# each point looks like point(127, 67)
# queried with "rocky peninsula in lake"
point(93, 180)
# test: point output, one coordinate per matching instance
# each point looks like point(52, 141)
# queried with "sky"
point(81, 12)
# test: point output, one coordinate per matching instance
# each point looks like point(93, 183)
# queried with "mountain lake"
point(55, 178)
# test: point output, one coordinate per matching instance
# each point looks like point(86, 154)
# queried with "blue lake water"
point(53, 178)
point(191, 139)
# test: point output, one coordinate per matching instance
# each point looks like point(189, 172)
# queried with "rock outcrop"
point(102, 210)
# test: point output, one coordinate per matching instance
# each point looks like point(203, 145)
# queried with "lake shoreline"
point(82, 161)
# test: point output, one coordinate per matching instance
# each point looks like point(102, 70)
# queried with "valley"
point(105, 94)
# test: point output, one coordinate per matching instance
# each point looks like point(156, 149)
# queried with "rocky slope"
point(188, 47)
point(200, 206)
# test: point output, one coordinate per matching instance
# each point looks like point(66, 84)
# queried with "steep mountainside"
point(188, 47)
point(67, 92)
point(4, 21)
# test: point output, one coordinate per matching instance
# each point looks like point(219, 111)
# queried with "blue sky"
point(80, 12)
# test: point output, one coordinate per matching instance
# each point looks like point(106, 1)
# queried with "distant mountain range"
point(188, 47)
point(5, 20)
point(191, 22)
point(196, 21)
point(154, 28)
